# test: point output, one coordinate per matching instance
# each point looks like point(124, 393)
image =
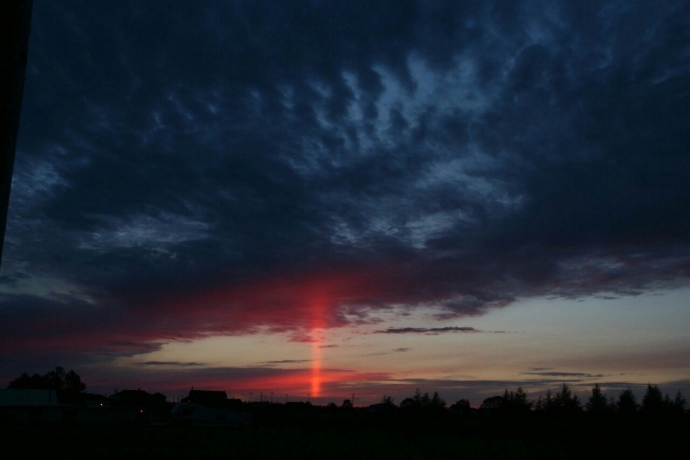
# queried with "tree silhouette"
point(437, 402)
point(388, 400)
point(30, 382)
point(494, 402)
point(67, 385)
point(407, 403)
point(565, 401)
point(73, 383)
point(461, 406)
point(653, 401)
point(423, 401)
point(627, 403)
point(679, 403)
point(546, 404)
point(597, 403)
point(57, 378)
point(516, 402)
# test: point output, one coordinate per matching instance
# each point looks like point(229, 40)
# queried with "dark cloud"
point(427, 331)
point(171, 363)
point(287, 361)
point(397, 350)
point(563, 374)
point(241, 158)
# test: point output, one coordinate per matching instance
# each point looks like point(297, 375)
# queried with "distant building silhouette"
point(30, 405)
point(132, 398)
point(206, 398)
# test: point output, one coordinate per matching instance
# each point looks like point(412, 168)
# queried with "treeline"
point(70, 388)
point(562, 402)
point(565, 402)
point(67, 385)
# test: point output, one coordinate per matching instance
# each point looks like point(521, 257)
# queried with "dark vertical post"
point(15, 24)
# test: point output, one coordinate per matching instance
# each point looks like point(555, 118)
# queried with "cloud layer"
point(228, 169)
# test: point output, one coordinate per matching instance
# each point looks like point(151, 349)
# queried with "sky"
point(321, 199)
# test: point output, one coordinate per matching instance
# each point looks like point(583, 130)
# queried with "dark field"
point(462, 439)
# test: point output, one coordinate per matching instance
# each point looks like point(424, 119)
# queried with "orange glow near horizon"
point(316, 369)
point(302, 304)
point(318, 304)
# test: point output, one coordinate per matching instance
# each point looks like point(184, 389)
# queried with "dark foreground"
point(463, 439)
